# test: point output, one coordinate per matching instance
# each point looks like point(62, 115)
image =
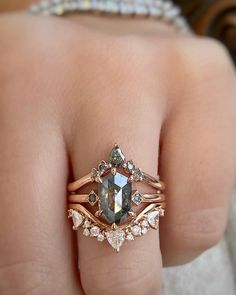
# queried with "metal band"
point(146, 198)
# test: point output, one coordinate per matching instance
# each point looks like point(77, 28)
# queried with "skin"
point(69, 89)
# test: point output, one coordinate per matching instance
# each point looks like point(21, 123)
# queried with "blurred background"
point(215, 18)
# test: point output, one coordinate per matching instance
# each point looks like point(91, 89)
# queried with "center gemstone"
point(115, 197)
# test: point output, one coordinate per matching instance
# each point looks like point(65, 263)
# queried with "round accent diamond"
point(100, 237)
point(130, 237)
point(130, 166)
point(86, 232)
point(136, 230)
point(138, 174)
point(94, 231)
point(87, 223)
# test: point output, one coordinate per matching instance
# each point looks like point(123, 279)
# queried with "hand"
point(67, 93)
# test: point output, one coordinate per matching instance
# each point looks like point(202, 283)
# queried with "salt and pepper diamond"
point(137, 198)
point(115, 197)
point(92, 198)
point(117, 157)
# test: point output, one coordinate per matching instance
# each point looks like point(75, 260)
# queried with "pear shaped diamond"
point(77, 219)
point(116, 238)
point(153, 219)
point(117, 157)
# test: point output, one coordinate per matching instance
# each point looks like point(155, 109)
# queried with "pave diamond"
point(153, 219)
point(115, 197)
point(116, 238)
point(116, 158)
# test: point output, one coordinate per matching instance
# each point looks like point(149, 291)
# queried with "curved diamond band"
point(115, 219)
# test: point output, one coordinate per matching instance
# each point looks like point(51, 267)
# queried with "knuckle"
point(202, 229)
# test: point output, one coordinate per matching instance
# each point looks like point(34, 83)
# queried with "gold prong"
point(131, 178)
point(114, 226)
point(74, 227)
point(131, 213)
point(113, 170)
point(118, 250)
point(98, 213)
point(98, 179)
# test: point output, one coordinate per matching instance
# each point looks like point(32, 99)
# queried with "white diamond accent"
point(136, 230)
point(100, 237)
point(153, 219)
point(94, 231)
point(77, 218)
point(144, 230)
point(130, 237)
point(87, 223)
point(86, 232)
point(116, 238)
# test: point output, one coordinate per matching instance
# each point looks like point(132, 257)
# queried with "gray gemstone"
point(115, 197)
point(116, 158)
point(92, 198)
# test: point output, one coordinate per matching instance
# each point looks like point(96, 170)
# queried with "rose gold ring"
point(115, 219)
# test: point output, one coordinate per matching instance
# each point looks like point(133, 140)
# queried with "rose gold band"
point(74, 186)
point(146, 198)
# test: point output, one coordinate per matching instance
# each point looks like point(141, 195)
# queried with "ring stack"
point(121, 213)
point(165, 11)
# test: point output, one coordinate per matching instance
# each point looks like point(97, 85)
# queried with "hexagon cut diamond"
point(115, 197)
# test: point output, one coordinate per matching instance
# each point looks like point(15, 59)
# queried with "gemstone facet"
point(117, 157)
point(92, 198)
point(77, 219)
point(116, 238)
point(137, 198)
point(115, 197)
point(153, 219)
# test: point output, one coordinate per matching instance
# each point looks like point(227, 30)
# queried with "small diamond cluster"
point(164, 10)
point(117, 236)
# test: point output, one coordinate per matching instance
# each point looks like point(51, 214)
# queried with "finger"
point(36, 253)
point(198, 163)
point(137, 267)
